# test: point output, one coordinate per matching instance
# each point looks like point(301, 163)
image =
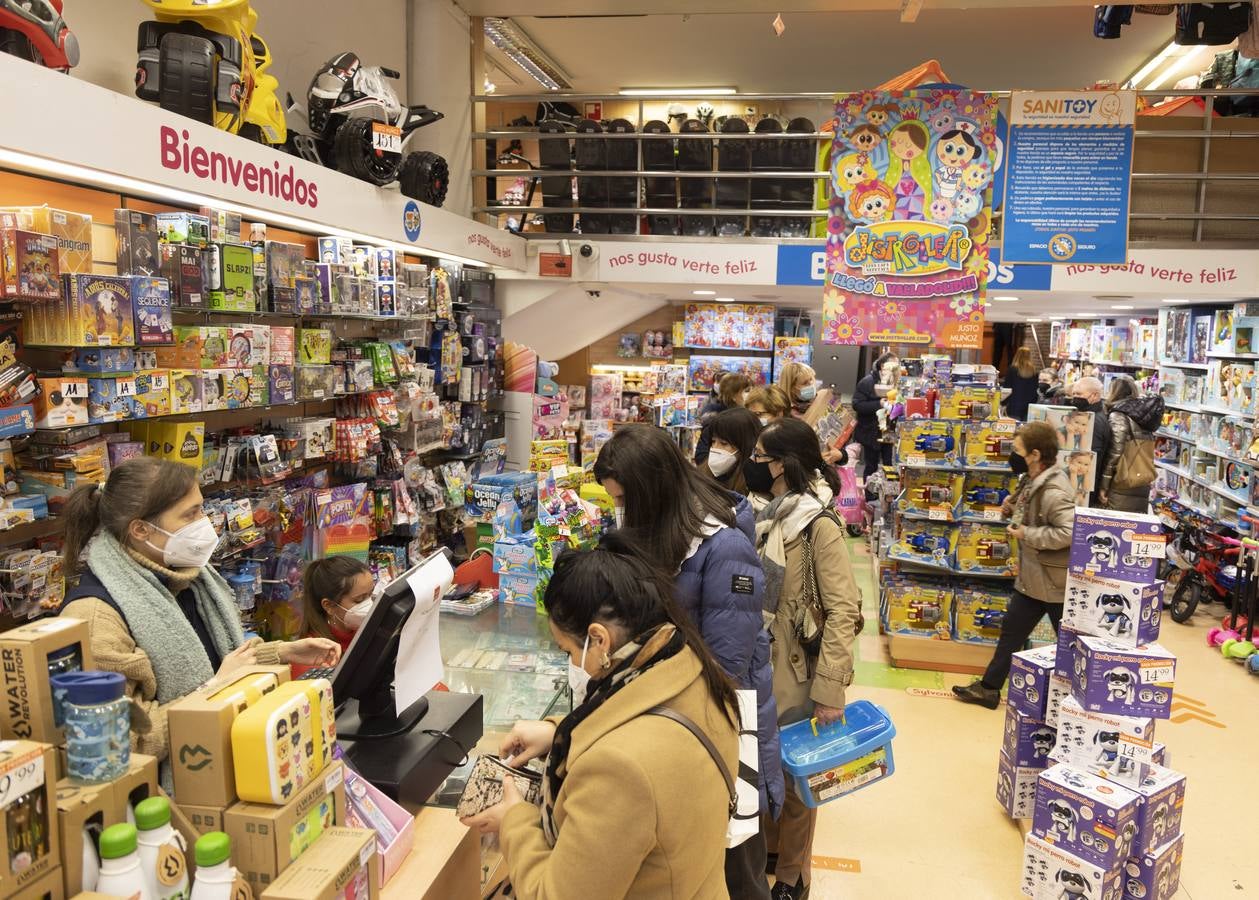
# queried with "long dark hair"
point(327, 579)
point(666, 497)
point(614, 584)
point(143, 487)
point(739, 428)
point(795, 445)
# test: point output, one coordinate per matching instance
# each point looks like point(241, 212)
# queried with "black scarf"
point(632, 660)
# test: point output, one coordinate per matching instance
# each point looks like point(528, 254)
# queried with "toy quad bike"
point(359, 127)
point(35, 31)
point(205, 61)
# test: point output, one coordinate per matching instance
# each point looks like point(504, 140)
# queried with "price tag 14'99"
point(21, 775)
point(1136, 749)
point(1149, 546)
point(1158, 673)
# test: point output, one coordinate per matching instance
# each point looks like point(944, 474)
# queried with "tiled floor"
point(935, 830)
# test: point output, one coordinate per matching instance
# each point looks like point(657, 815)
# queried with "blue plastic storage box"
point(839, 759)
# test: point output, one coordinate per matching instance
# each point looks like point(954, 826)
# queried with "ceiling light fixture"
point(1138, 78)
point(1005, 299)
point(517, 46)
point(1035, 321)
point(778, 25)
point(724, 299)
point(678, 92)
point(704, 293)
point(1120, 306)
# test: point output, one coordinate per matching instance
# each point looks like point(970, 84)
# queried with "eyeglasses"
point(759, 457)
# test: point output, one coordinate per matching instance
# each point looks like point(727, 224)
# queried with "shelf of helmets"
point(411, 333)
point(1207, 449)
point(945, 564)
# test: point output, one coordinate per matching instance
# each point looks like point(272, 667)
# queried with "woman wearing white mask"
point(156, 610)
point(734, 437)
point(337, 597)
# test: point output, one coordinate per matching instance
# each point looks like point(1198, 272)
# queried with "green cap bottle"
point(152, 813)
point(213, 848)
point(118, 841)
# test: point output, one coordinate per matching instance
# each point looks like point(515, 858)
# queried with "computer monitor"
point(365, 673)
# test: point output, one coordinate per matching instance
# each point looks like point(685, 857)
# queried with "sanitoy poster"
point(909, 219)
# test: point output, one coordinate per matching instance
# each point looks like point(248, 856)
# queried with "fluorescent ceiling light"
point(517, 46)
point(704, 293)
point(1120, 306)
point(1138, 77)
point(1036, 321)
point(725, 299)
point(1005, 299)
point(140, 188)
point(1177, 300)
point(679, 92)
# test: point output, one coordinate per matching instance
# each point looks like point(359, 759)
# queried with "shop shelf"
point(1226, 412)
point(1183, 438)
point(1184, 365)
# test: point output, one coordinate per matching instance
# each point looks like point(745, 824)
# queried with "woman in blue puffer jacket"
point(702, 536)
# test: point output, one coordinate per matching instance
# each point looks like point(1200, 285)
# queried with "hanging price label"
point(992, 514)
point(1149, 546)
point(915, 460)
point(1136, 749)
point(126, 387)
point(938, 515)
point(1158, 673)
point(20, 775)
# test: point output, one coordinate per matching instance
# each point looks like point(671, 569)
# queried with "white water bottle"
point(121, 875)
point(215, 874)
point(161, 850)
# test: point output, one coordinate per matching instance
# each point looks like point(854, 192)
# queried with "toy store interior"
point(812, 451)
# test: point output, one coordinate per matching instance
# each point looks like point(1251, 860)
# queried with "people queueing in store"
point(871, 404)
point(1050, 387)
point(768, 403)
point(1041, 514)
point(155, 609)
point(1126, 473)
point(808, 402)
point(1023, 382)
point(1086, 397)
point(732, 392)
point(734, 434)
point(337, 594)
point(633, 803)
point(700, 537)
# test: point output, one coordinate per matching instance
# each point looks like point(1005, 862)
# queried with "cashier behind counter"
point(156, 611)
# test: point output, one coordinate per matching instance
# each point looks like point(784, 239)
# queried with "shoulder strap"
point(674, 715)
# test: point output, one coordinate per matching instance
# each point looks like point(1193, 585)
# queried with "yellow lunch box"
point(282, 742)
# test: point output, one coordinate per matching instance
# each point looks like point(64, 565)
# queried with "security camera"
point(587, 251)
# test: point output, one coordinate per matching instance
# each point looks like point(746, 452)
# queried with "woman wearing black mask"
point(1042, 513)
point(867, 400)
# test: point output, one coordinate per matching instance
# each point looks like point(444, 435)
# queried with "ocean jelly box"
point(1087, 816)
point(1125, 612)
point(1158, 821)
point(1118, 545)
point(1027, 741)
point(1120, 748)
point(1029, 680)
point(1051, 873)
point(1016, 788)
point(1155, 875)
point(1130, 681)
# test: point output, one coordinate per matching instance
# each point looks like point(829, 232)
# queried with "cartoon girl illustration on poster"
point(871, 201)
point(954, 152)
point(849, 171)
point(909, 169)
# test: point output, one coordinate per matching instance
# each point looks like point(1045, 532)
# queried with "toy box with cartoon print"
point(61, 401)
point(1029, 680)
point(484, 494)
point(1120, 748)
point(284, 741)
point(916, 606)
point(978, 611)
point(237, 384)
point(516, 554)
point(183, 228)
point(31, 265)
point(929, 442)
point(1016, 788)
point(1155, 875)
point(283, 388)
point(936, 495)
point(97, 312)
point(1062, 661)
point(983, 493)
point(1121, 611)
point(1118, 545)
point(213, 389)
point(105, 360)
point(983, 547)
point(969, 403)
point(519, 590)
point(109, 398)
point(152, 395)
point(1162, 810)
point(1090, 817)
point(927, 543)
point(1027, 740)
point(185, 391)
point(1052, 873)
point(1129, 681)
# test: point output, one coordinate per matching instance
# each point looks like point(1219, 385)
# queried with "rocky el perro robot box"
point(1108, 677)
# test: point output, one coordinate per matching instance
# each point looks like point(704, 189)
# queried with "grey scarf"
point(156, 622)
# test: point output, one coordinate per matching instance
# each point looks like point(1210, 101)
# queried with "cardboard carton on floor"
point(200, 727)
point(342, 863)
point(30, 848)
point(266, 839)
point(27, 708)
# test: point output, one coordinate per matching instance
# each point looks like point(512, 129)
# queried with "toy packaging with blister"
point(988, 548)
point(929, 442)
point(138, 242)
point(1121, 611)
point(1052, 873)
point(1128, 681)
point(973, 403)
point(1029, 680)
point(183, 228)
point(1016, 788)
point(31, 264)
point(1162, 810)
point(983, 493)
point(1087, 816)
point(926, 543)
point(978, 612)
point(988, 444)
point(1110, 746)
point(151, 302)
point(1027, 740)
point(1155, 875)
point(919, 606)
point(935, 495)
point(1117, 545)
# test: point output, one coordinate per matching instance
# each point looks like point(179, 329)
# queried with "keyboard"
point(311, 674)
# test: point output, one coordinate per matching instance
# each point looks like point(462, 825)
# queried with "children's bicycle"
point(1208, 563)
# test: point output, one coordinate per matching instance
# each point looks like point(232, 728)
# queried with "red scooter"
point(35, 31)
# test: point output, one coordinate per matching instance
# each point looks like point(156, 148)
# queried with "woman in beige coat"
point(634, 803)
point(803, 553)
point(1042, 515)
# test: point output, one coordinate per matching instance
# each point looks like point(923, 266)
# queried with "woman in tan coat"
point(803, 553)
point(1042, 515)
point(635, 805)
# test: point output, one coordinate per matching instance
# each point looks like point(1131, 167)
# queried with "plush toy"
point(546, 379)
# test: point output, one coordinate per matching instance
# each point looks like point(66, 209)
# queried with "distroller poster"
point(910, 213)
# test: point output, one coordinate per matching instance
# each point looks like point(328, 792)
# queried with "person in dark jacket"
point(1050, 386)
point(1022, 380)
point(731, 390)
point(1086, 396)
point(1133, 417)
point(701, 536)
point(866, 403)
point(734, 438)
